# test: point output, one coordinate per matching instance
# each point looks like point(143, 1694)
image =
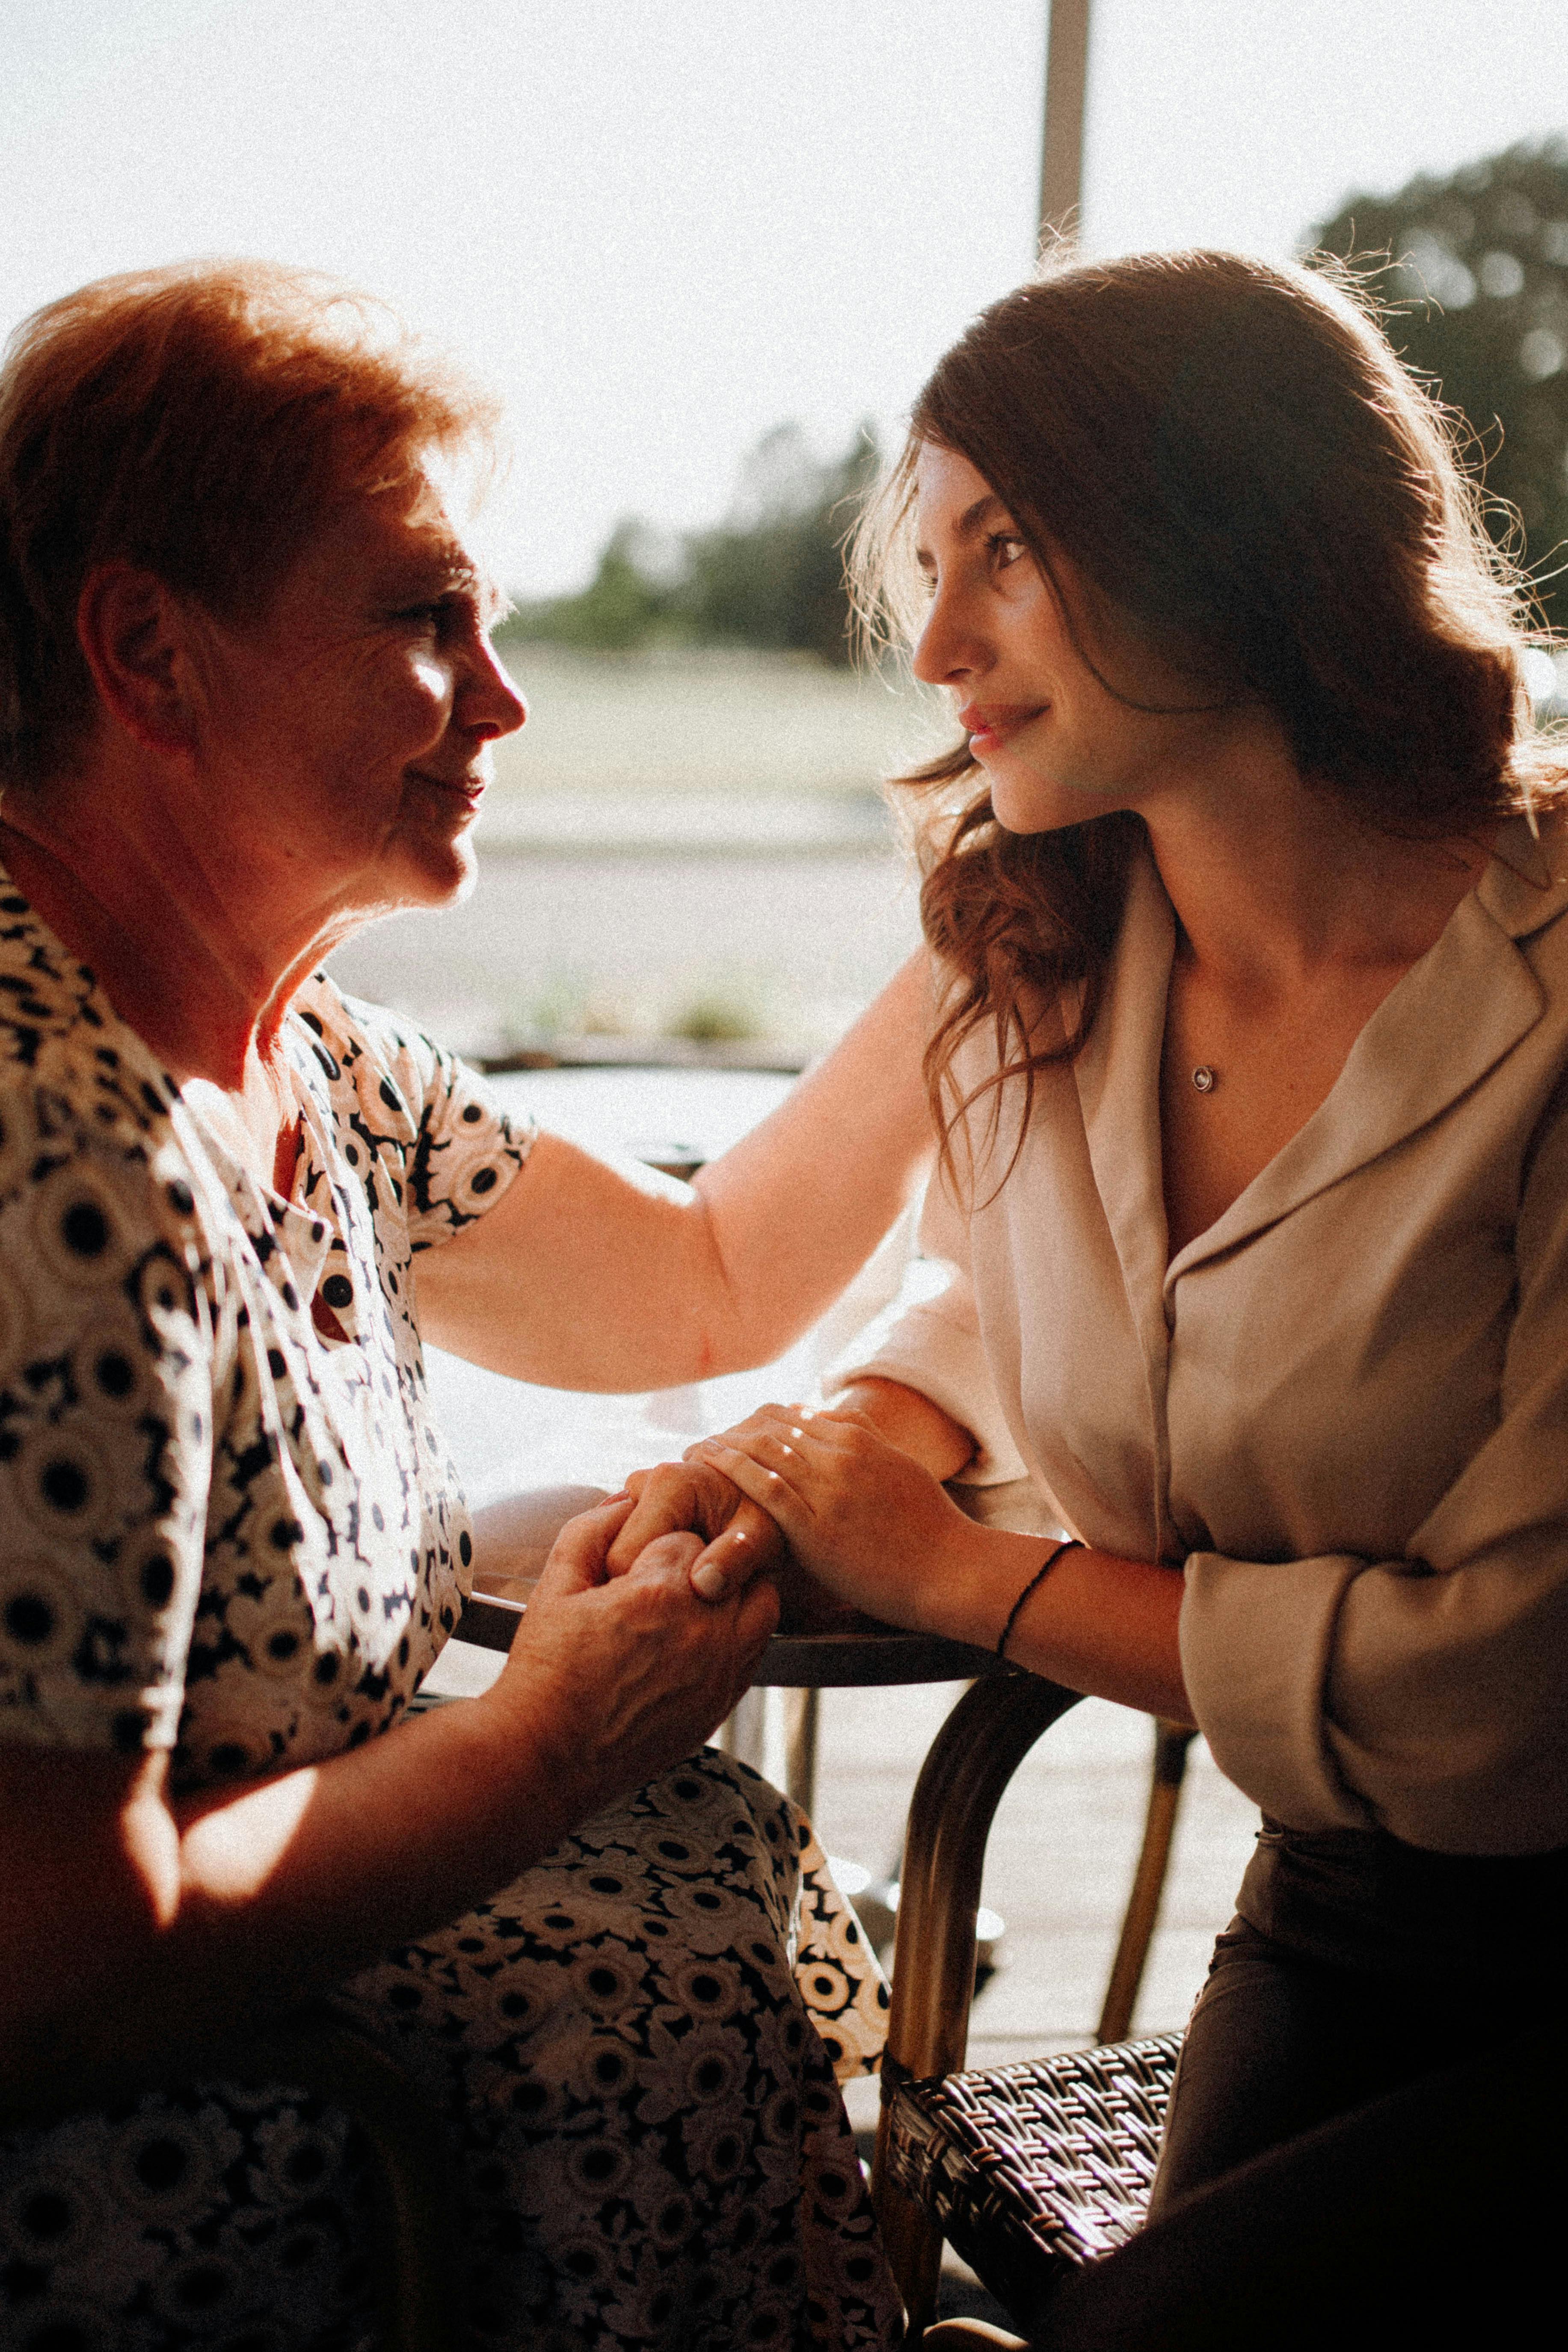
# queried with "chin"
point(436, 874)
point(1034, 804)
point(1032, 811)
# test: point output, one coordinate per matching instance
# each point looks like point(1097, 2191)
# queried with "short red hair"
point(200, 420)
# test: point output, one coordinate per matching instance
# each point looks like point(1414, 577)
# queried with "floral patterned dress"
point(224, 1535)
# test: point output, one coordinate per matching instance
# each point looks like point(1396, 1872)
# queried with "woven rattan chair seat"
point(1034, 2166)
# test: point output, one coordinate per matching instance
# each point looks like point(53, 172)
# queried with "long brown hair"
point(1232, 456)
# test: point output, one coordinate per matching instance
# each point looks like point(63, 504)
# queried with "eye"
point(1005, 547)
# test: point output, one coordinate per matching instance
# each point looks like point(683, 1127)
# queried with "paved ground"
point(1059, 1861)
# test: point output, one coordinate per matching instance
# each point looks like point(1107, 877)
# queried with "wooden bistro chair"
point(1031, 2169)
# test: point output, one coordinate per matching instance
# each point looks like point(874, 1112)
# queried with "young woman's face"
point(1056, 746)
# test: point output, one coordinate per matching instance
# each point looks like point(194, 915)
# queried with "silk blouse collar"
point(1440, 1029)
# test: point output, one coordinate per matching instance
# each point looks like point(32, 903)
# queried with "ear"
point(135, 637)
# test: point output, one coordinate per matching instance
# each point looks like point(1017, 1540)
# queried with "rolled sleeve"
point(1256, 1638)
point(930, 1340)
point(1428, 1693)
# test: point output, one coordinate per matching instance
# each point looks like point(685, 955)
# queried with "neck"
point(1272, 881)
point(190, 954)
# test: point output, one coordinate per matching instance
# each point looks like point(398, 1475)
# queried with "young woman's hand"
point(866, 1521)
point(740, 1541)
point(616, 1678)
point(743, 1541)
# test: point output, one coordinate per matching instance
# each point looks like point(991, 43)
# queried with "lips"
point(469, 790)
point(991, 723)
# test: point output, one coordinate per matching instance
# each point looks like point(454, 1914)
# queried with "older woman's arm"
point(134, 1922)
point(591, 1275)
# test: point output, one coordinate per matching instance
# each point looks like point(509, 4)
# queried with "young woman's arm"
point(870, 1521)
point(590, 1276)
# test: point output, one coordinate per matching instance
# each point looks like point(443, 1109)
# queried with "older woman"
point(247, 699)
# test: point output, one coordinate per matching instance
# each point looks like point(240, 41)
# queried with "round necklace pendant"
point(1204, 1078)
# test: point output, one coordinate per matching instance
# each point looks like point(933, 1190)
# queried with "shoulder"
point(102, 1195)
point(392, 1065)
point(460, 1148)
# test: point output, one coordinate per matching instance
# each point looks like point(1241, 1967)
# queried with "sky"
point(661, 227)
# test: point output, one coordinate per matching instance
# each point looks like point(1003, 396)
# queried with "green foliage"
point(621, 607)
point(771, 575)
point(716, 1019)
point(1479, 278)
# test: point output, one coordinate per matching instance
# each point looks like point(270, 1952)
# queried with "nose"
point(946, 653)
point(490, 704)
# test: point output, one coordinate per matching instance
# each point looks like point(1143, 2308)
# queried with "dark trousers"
point(1367, 2134)
point(1280, 2044)
point(1431, 2217)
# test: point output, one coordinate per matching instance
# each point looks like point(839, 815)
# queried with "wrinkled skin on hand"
point(618, 1677)
point(742, 1541)
point(869, 1522)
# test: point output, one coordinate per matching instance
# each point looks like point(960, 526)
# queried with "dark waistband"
point(1360, 1898)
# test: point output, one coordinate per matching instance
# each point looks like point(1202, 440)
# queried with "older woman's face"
point(353, 723)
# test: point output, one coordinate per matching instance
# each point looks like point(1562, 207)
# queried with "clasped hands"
point(654, 1607)
point(818, 1500)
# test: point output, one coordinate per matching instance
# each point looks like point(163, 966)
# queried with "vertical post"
point(1061, 154)
point(1172, 1741)
point(801, 1711)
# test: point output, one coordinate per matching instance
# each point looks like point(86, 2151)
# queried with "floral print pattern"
point(228, 1536)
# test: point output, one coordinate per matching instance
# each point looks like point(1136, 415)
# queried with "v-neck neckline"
point(1443, 1024)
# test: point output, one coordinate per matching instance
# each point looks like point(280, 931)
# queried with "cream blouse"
point(1343, 1408)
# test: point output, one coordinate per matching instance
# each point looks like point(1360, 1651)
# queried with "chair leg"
point(1172, 1741)
point(802, 1710)
point(972, 1759)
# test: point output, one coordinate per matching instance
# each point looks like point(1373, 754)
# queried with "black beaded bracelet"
point(1070, 1543)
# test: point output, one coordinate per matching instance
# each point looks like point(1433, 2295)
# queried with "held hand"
point(869, 1521)
point(743, 1542)
point(616, 1678)
point(694, 1497)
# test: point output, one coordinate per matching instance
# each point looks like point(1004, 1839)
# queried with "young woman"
point(1248, 882)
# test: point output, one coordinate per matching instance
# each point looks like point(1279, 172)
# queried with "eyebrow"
point(971, 519)
point(441, 575)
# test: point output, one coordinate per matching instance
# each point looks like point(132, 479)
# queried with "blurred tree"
point(771, 575)
point(1479, 281)
point(623, 606)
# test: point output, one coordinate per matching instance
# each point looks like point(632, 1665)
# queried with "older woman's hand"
point(618, 1677)
point(743, 1541)
point(739, 1539)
